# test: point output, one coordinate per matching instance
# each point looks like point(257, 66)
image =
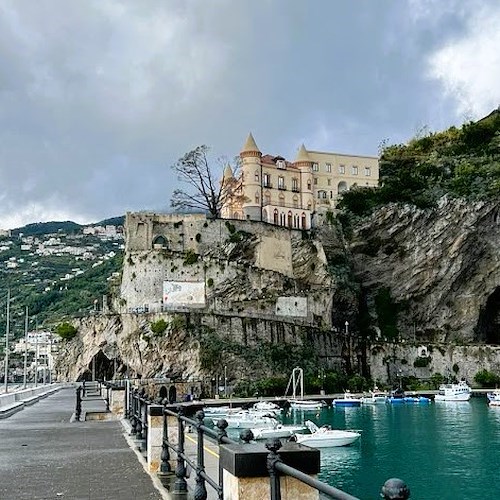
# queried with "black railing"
point(138, 415)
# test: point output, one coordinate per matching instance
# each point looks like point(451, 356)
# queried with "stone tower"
point(251, 169)
point(304, 164)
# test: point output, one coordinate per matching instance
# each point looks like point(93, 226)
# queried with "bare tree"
point(206, 193)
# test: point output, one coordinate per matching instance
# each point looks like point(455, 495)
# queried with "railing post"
point(395, 489)
point(273, 445)
point(78, 407)
point(200, 491)
point(221, 431)
point(165, 469)
point(138, 416)
point(133, 417)
point(84, 388)
point(107, 397)
point(180, 484)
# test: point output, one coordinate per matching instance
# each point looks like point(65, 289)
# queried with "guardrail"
point(149, 420)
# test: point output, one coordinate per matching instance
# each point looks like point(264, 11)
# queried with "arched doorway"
point(160, 242)
point(172, 394)
point(163, 392)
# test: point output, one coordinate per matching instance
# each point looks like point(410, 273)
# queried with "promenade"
point(43, 455)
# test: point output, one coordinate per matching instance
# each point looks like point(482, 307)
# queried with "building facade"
point(274, 190)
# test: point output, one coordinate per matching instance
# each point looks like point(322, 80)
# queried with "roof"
point(250, 145)
point(302, 154)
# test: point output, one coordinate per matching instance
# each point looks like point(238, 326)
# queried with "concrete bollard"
point(246, 475)
point(155, 437)
point(117, 402)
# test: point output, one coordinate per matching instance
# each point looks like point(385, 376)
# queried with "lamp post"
point(6, 357)
point(25, 367)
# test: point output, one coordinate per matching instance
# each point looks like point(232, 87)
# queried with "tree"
point(66, 331)
point(206, 193)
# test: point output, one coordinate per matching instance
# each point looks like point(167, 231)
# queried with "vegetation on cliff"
point(459, 162)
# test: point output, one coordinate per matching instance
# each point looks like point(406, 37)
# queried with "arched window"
point(309, 185)
point(160, 242)
point(267, 198)
point(296, 221)
point(342, 187)
point(289, 219)
point(282, 201)
point(282, 219)
point(295, 201)
point(257, 177)
point(275, 218)
point(303, 217)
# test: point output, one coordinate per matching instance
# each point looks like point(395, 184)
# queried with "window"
point(289, 219)
point(309, 185)
point(267, 180)
point(329, 182)
point(354, 170)
point(315, 181)
point(342, 187)
point(267, 198)
point(295, 202)
point(329, 167)
point(280, 164)
point(295, 185)
point(331, 195)
point(275, 218)
point(256, 176)
point(282, 201)
point(341, 169)
point(368, 171)
point(281, 182)
point(315, 167)
point(282, 219)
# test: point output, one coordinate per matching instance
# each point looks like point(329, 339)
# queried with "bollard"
point(395, 489)
point(78, 408)
point(200, 490)
point(165, 472)
point(273, 445)
point(246, 435)
point(180, 484)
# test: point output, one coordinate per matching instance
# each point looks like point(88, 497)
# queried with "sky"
point(98, 98)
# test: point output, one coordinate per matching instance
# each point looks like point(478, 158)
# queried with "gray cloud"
point(99, 97)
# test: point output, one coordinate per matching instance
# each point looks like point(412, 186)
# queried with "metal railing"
point(393, 489)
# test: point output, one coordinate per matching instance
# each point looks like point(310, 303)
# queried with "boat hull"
point(330, 439)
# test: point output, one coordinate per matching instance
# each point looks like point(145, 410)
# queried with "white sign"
point(184, 293)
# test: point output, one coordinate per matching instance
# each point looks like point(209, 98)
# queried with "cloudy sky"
point(99, 97)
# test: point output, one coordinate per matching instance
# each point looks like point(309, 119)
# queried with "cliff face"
point(441, 268)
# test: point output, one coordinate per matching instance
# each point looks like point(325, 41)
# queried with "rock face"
point(411, 292)
point(441, 267)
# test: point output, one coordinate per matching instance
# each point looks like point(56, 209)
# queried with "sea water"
point(446, 450)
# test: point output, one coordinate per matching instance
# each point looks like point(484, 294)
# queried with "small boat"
point(416, 399)
point(347, 400)
point(493, 398)
point(248, 420)
point(280, 431)
point(454, 392)
point(375, 397)
point(216, 410)
point(306, 404)
point(397, 396)
point(326, 437)
point(266, 406)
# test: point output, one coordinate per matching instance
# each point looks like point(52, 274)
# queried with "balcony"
point(295, 189)
point(282, 188)
point(267, 185)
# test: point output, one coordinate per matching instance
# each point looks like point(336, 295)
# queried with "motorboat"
point(347, 400)
point(326, 437)
point(416, 399)
point(266, 406)
point(306, 404)
point(216, 410)
point(454, 392)
point(397, 396)
point(279, 431)
point(248, 420)
point(375, 397)
point(493, 398)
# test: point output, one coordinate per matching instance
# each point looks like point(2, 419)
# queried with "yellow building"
point(274, 190)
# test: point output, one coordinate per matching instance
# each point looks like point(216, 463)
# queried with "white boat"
point(249, 420)
point(454, 392)
point(280, 431)
point(375, 397)
point(493, 398)
point(347, 400)
point(326, 437)
point(216, 410)
point(306, 404)
point(266, 406)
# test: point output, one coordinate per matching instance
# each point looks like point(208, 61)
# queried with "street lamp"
point(6, 356)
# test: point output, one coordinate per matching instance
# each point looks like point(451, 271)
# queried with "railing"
point(138, 414)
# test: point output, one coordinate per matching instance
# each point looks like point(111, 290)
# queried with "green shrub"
point(422, 362)
point(66, 331)
point(486, 378)
point(158, 327)
point(210, 282)
point(190, 258)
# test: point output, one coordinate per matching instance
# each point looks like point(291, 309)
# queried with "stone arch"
point(160, 242)
point(488, 323)
point(163, 392)
point(342, 186)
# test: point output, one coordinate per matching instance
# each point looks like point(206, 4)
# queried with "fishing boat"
point(375, 397)
point(454, 392)
point(348, 400)
point(416, 399)
point(279, 431)
point(493, 398)
point(397, 396)
point(326, 437)
point(266, 406)
point(297, 401)
point(306, 404)
point(249, 420)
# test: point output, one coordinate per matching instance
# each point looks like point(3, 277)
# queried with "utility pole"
point(25, 349)
point(6, 357)
point(36, 356)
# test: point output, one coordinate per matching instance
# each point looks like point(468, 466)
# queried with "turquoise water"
point(442, 451)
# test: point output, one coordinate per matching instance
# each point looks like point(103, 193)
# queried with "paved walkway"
point(45, 456)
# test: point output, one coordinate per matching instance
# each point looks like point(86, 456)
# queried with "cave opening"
point(488, 324)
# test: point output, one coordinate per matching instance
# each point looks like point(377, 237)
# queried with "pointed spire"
point(250, 146)
point(302, 155)
point(228, 172)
